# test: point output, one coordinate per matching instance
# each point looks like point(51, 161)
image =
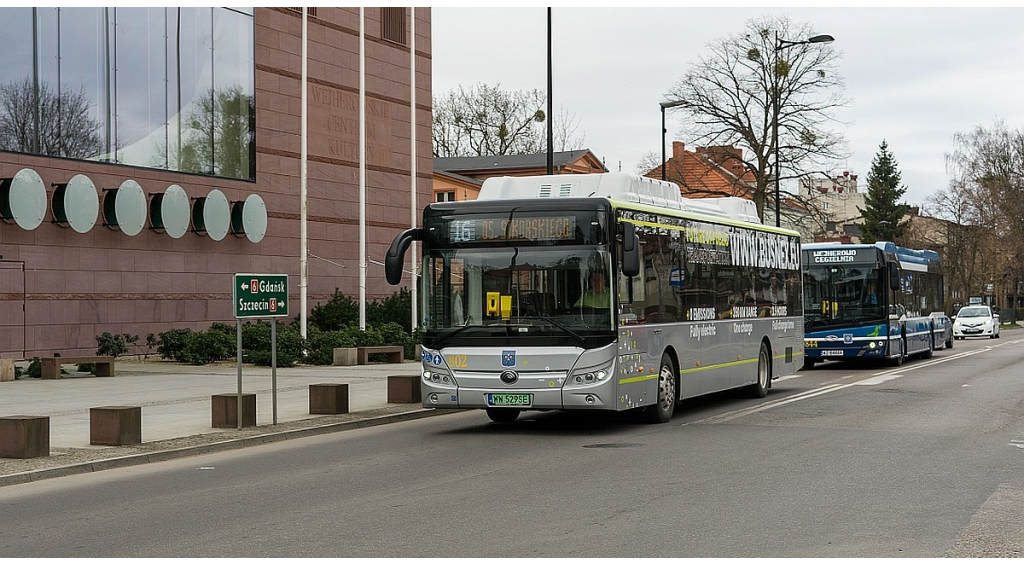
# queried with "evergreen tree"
point(883, 213)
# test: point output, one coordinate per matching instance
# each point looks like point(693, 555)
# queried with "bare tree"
point(649, 162)
point(987, 166)
point(733, 96)
point(486, 120)
point(41, 121)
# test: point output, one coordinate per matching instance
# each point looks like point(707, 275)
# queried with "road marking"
point(872, 380)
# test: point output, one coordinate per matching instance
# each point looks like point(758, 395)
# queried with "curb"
point(219, 446)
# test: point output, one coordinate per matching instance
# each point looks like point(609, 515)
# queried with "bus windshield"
point(533, 295)
point(843, 296)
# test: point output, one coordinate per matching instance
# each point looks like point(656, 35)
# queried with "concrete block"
point(225, 410)
point(6, 370)
point(345, 356)
point(115, 425)
point(404, 389)
point(328, 399)
point(24, 436)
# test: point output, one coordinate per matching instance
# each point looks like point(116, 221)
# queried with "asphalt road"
point(924, 460)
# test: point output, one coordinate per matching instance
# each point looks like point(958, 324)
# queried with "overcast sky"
point(916, 76)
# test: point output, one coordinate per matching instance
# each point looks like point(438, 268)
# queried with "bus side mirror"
point(630, 251)
point(394, 260)
point(894, 277)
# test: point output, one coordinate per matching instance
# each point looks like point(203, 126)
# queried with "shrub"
point(171, 344)
point(204, 347)
point(35, 368)
point(395, 334)
point(256, 344)
point(114, 345)
point(321, 345)
point(396, 308)
point(339, 312)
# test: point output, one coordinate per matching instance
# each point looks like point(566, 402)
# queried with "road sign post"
point(259, 295)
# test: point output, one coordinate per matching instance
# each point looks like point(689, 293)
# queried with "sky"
point(916, 77)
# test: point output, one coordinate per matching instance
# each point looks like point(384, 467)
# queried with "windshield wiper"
point(442, 338)
point(579, 338)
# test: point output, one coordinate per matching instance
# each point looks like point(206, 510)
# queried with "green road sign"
point(260, 295)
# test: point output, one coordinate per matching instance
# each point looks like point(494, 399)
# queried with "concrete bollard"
point(6, 370)
point(328, 399)
point(404, 389)
point(24, 436)
point(345, 356)
point(115, 425)
point(225, 410)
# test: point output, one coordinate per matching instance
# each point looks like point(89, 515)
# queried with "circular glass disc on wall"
point(24, 199)
point(130, 208)
point(174, 211)
point(81, 203)
point(216, 215)
point(254, 218)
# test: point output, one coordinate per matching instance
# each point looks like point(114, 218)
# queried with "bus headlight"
point(439, 378)
point(588, 378)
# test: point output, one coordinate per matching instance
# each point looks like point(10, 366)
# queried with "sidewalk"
point(176, 410)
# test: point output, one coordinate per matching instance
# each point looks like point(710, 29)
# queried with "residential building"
point(836, 202)
point(164, 156)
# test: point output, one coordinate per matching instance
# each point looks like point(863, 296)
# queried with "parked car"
point(976, 321)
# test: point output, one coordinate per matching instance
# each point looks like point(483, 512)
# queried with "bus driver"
point(596, 294)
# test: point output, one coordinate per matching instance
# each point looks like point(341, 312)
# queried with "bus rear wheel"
point(502, 414)
point(661, 412)
point(759, 389)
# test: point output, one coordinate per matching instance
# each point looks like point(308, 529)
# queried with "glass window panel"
point(234, 112)
point(190, 106)
point(17, 100)
point(84, 108)
point(48, 80)
point(140, 88)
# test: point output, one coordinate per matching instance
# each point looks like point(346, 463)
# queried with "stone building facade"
point(187, 168)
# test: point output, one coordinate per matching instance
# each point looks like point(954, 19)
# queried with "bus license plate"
point(832, 353)
point(509, 400)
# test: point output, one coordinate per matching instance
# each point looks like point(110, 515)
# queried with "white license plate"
point(832, 353)
point(510, 400)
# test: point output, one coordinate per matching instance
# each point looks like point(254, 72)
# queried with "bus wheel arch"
point(664, 406)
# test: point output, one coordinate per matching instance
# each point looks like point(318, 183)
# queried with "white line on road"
point(874, 379)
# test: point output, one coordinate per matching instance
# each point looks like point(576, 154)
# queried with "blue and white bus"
point(600, 292)
point(878, 301)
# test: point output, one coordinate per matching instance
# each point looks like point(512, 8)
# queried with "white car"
point(976, 321)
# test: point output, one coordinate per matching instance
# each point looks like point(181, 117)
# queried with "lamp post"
point(781, 44)
point(664, 106)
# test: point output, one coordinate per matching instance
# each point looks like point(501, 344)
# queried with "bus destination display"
point(551, 228)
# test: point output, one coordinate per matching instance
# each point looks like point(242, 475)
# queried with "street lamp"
point(664, 106)
point(781, 44)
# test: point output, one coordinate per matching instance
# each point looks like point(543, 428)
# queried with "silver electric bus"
point(600, 292)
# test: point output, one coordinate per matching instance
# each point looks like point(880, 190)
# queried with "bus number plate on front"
point(509, 400)
point(832, 353)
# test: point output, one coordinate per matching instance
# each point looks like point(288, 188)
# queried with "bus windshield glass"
point(843, 295)
point(542, 295)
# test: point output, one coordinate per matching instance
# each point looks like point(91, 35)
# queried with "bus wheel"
point(931, 349)
point(661, 412)
point(898, 361)
point(949, 341)
point(759, 389)
point(502, 414)
point(809, 363)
